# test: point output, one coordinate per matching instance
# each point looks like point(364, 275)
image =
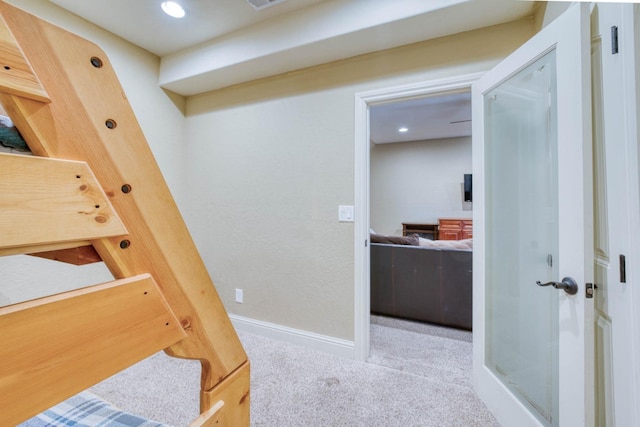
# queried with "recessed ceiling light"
point(173, 9)
point(403, 129)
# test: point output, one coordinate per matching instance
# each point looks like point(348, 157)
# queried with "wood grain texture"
point(77, 256)
point(55, 347)
point(16, 74)
point(234, 391)
point(211, 417)
point(45, 201)
point(90, 119)
point(37, 248)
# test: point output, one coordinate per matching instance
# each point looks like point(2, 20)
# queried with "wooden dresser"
point(428, 231)
point(455, 229)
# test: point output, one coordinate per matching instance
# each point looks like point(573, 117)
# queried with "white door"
point(615, 163)
point(533, 344)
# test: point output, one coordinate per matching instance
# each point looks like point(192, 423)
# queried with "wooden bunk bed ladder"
point(95, 184)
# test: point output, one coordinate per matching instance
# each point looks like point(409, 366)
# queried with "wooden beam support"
point(55, 347)
point(46, 201)
point(77, 256)
point(90, 119)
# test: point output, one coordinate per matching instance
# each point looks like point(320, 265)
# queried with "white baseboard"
point(324, 343)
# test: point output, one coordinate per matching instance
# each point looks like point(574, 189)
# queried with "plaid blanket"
point(9, 135)
point(87, 410)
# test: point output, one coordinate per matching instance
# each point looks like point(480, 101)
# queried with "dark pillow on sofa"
point(411, 240)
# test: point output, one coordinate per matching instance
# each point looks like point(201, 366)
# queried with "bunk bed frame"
point(93, 192)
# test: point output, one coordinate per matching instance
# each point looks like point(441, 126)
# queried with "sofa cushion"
point(411, 240)
point(446, 244)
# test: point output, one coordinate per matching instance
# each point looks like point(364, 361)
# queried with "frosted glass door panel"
point(521, 236)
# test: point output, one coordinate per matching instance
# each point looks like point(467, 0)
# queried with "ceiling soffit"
point(325, 32)
point(226, 42)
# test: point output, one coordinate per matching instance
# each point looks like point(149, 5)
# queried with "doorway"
point(363, 104)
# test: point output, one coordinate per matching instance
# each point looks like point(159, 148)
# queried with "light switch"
point(345, 213)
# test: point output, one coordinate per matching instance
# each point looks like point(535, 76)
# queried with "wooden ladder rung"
point(48, 201)
point(17, 76)
point(211, 417)
point(55, 347)
point(43, 247)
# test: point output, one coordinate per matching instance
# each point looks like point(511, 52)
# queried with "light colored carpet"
point(429, 351)
point(417, 375)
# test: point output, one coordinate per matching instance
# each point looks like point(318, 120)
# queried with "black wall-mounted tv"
point(468, 189)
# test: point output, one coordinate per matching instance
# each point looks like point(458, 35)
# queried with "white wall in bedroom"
point(418, 182)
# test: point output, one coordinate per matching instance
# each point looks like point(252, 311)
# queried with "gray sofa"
point(427, 284)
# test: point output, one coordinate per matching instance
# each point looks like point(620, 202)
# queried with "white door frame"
point(363, 100)
point(616, 75)
point(631, 82)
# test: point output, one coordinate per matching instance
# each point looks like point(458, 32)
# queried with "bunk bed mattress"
point(88, 410)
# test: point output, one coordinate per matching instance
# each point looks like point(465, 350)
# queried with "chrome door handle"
point(568, 284)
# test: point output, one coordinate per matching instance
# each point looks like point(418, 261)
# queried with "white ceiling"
point(221, 43)
point(143, 23)
point(434, 117)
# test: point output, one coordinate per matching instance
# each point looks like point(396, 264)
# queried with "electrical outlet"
point(239, 296)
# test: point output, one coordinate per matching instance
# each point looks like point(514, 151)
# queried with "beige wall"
point(161, 117)
point(548, 11)
point(419, 182)
point(270, 161)
point(260, 169)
